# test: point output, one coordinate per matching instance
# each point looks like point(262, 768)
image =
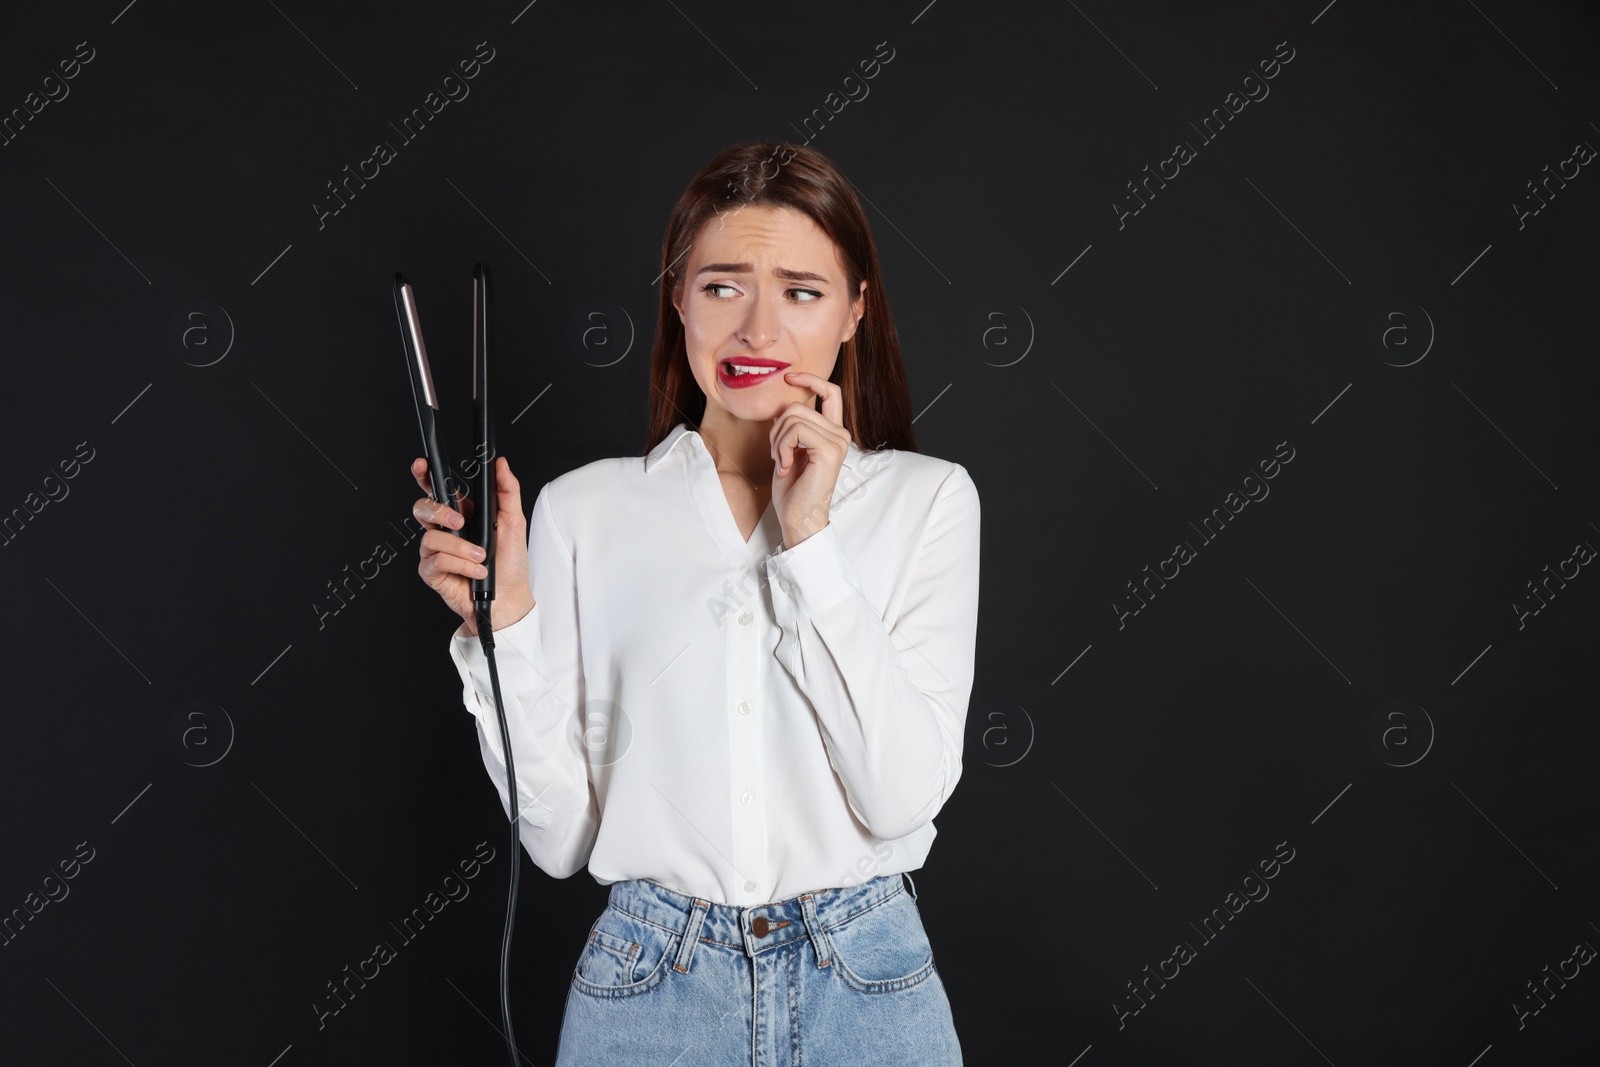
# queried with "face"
point(763, 287)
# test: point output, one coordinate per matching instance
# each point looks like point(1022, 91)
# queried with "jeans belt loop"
point(691, 935)
point(819, 937)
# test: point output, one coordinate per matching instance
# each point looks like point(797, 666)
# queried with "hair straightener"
point(450, 488)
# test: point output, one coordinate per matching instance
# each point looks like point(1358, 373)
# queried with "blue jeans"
point(837, 976)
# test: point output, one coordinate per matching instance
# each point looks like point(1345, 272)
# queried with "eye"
point(797, 295)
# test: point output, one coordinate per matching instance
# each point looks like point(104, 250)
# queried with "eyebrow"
point(746, 268)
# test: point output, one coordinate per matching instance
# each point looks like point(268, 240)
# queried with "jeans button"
point(760, 926)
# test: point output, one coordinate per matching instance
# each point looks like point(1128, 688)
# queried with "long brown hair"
point(869, 370)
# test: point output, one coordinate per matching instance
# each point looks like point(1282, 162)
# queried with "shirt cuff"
point(811, 577)
point(517, 656)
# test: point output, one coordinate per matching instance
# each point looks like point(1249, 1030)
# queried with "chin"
point(753, 410)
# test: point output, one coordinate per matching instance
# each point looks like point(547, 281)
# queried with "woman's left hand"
point(810, 447)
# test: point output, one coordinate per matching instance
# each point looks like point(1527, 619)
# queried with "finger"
point(802, 428)
point(797, 435)
point(832, 399)
point(792, 437)
point(419, 471)
point(506, 484)
point(509, 520)
point(832, 396)
point(439, 569)
point(432, 514)
point(426, 511)
point(782, 451)
point(443, 554)
point(443, 542)
point(833, 405)
point(783, 441)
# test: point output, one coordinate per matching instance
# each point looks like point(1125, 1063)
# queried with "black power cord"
point(486, 639)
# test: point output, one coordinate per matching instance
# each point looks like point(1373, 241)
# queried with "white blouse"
point(738, 723)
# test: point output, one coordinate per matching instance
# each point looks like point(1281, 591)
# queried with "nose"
point(760, 326)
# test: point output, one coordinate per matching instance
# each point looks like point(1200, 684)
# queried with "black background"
point(1101, 410)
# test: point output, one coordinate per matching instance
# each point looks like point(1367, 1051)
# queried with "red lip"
point(745, 381)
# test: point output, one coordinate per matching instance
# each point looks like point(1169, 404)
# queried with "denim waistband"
point(732, 926)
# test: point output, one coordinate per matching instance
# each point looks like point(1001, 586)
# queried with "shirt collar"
point(682, 431)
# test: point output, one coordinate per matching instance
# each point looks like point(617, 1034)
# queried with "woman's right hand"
point(449, 563)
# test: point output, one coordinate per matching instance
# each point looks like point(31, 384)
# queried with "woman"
point(736, 682)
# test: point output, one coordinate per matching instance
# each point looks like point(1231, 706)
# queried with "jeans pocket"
point(884, 948)
point(623, 956)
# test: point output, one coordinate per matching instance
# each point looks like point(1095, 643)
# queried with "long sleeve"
point(891, 701)
point(541, 683)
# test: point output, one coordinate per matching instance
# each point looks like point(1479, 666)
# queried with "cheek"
point(819, 335)
point(703, 330)
point(701, 348)
point(693, 337)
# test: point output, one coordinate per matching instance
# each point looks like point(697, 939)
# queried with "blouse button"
point(744, 707)
point(785, 584)
point(744, 618)
point(749, 887)
point(745, 798)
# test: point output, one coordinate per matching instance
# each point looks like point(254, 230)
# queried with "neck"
point(739, 445)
